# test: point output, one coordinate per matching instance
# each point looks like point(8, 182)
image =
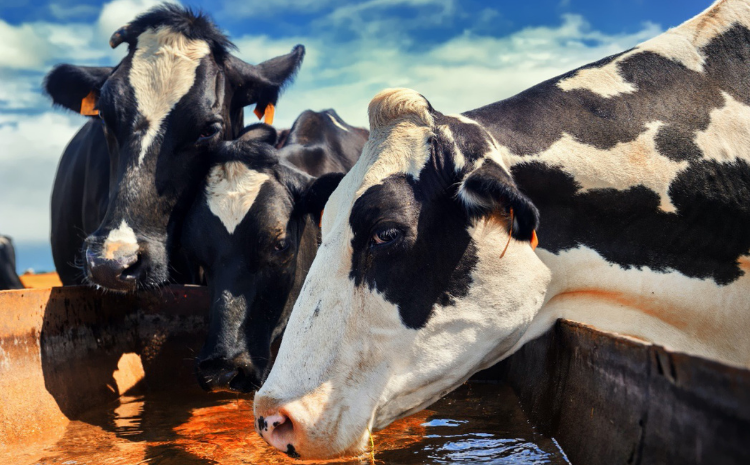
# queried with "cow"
point(632, 173)
point(8, 277)
point(127, 178)
point(254, 230)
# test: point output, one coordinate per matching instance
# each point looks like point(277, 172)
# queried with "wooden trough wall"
point(606, 399)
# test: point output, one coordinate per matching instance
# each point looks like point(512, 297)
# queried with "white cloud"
point(30, 148)
point(465, 72)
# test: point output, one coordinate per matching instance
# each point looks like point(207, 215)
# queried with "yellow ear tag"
point(270, 111)
point(534, 240)
point(87, 105)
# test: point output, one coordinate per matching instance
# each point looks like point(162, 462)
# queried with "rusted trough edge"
point(605, 398)
point(613, 400)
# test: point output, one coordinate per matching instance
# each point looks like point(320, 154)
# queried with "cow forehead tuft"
point(392, 104)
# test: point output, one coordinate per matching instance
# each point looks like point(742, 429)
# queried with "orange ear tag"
point(87, 105)
point(268, 113)
point(320, 223)
point(534, 240)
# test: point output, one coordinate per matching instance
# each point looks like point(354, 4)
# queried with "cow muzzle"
point(114, 265)
point(220, 374)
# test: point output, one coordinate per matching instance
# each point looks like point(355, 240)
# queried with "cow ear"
point(489, 189)
point(259, 132)
point(261, 84)
point(314, 197)
point(76, 87)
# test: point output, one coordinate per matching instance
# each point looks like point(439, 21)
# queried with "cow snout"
point(218, 374)
point(116, 271)
point(278, 431)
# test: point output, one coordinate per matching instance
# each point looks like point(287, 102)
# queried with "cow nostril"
point(278, 430)
point(133, 269)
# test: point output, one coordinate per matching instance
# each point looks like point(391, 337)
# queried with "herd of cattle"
point(394, 283)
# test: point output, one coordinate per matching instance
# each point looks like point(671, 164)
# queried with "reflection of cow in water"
point(128, 177)
point(8, 276)
point(639, 168)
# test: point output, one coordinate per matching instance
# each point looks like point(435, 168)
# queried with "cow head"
point(176, 93)
point(417, 283)
point(254, 230)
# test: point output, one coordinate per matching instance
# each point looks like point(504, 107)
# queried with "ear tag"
point(320, 222)
point(534, 240)
point(268, 113)
point(87, 105)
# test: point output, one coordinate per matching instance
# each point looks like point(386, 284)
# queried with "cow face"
point(254, 230)
point(412, 289)
point(176, 94)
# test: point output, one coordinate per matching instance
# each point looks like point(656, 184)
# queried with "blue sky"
point(460, 55)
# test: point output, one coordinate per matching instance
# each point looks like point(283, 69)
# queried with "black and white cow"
point(8, 277)
point(255, 231)
point(128, 177)
point(639, 168)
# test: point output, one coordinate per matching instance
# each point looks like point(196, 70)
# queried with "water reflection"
point(476, 424)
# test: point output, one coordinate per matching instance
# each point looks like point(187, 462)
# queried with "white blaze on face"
point(119, 242)
point(161, 73)
point(231, 191)
point(681, 44)
point(352, 340)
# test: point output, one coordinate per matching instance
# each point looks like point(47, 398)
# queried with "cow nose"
point(222, 375)
point(114, 271)
point(278, 431)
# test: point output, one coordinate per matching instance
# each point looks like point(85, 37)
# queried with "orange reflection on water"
point(226, 433)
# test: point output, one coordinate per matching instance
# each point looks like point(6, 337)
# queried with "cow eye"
point(385, 236)
point(281, 245)
point(209, 132)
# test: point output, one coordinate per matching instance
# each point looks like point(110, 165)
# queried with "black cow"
point(128, 177)
point(8, 276)
point(255, 231)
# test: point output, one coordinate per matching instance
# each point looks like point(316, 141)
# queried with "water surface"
point(479, 423)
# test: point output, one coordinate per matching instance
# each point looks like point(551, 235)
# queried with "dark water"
point(479, 423)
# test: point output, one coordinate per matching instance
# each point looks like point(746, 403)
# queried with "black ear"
point(490, 189)
point(259, 132)
point(313, 199)
point(261, 84)
point(68, 85)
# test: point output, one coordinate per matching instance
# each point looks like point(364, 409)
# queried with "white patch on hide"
point(231, 191)
point(625, 165)
point(727, 136)
point(337, 123)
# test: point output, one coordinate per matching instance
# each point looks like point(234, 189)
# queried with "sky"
point(458, 54)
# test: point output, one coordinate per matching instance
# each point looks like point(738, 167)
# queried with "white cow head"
point(412, 290)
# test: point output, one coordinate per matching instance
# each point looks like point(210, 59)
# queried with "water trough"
point(605, 399)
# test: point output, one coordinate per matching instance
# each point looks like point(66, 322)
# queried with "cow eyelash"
point(385, 236)
point(209, 132)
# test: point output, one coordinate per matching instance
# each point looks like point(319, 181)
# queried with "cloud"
point(30, 147)
point(457, 75)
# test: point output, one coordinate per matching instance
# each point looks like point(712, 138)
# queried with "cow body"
point(127, 178)
point(635, 173)
point(8, 277)
point(255, 231)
